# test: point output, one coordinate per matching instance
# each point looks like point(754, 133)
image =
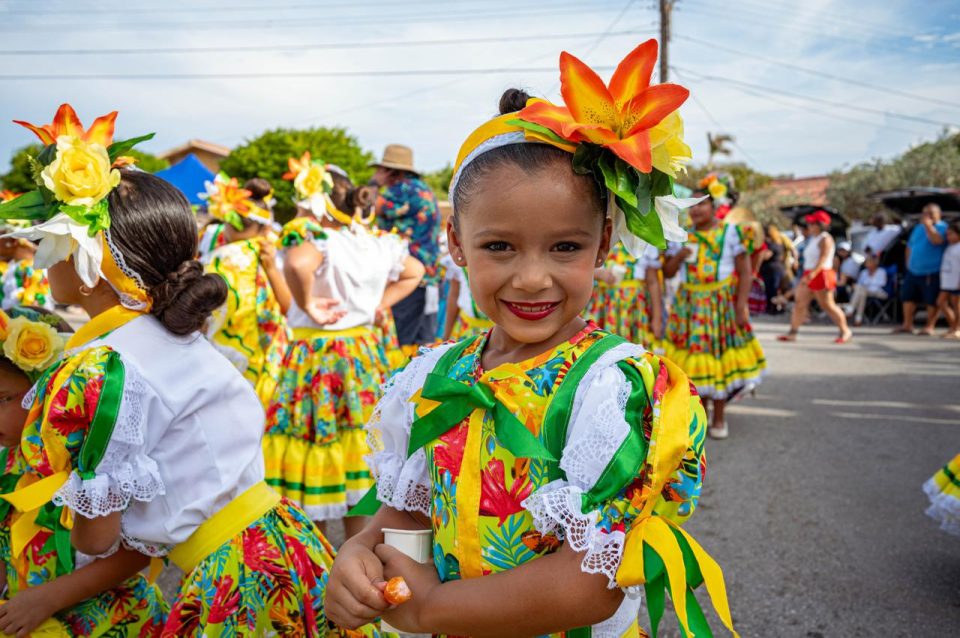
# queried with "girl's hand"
point(422, 579)
point(743, 315)
point(355, 588)
point(656, 324)
point(323, 310)
point(382, 317)
point(24, 612)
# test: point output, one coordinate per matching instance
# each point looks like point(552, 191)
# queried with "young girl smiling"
point(551, 460)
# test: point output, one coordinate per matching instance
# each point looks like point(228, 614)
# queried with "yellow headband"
point(133, 294)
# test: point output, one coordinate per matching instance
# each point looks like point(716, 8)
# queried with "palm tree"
point(719, 145)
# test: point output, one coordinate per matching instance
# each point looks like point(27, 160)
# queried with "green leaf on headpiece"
point(47, 155)
point(646, 226)
point(95, 218)
point(117, 149)
point(538, 129)
point(233, 218)
point(661, 184)
point(619, 177)
point(28, 207)
point(585, 160)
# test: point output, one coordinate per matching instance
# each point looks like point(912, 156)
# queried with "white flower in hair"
point(62, 237)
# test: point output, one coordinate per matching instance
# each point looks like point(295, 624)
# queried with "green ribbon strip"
point(104, 419)
point(59, 542)
point(655, 589)
point(457, 400)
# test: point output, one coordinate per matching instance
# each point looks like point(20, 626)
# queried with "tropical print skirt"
point(133, 609)
point(623, 310)
point(943, 490)
point(703, 338)
point(469, 327)
point(269, 580)
point(315, 442)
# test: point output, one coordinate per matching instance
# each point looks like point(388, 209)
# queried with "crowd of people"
point(527, 385)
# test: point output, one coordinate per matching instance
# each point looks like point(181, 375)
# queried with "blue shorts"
point(922, 289)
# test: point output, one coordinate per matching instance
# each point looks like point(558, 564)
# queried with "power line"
point(318, 45)
point(820, 14)
point(721, 127)
point(555, 9)
point(221, 8)
point(823, 74)
point(817, 100)
point(280, 75)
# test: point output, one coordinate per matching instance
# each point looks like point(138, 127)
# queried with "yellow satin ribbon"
point(337, 214)
point(308, 334)
point(119, 280)
point(232, 519)
point(716, 285)
point(107, 321)
point(28, 500)
point(668, 443)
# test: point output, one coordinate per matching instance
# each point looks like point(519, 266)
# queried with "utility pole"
point(666, 7)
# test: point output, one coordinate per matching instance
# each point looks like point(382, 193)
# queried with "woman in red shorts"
point(819, 279)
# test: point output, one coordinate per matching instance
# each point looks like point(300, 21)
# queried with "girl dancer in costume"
point(551, 460)
point(336, 366)
point(943, 490)
point(628, 298)
point(249, 329)
point(819, 280)
point(708, 333)
point(51, 589)
point(22, 283)
point(143, 432)
point(463, 318)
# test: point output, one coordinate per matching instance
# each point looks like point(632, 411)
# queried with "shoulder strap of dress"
point(557, 418)
point(446, 361)
point(104, 418)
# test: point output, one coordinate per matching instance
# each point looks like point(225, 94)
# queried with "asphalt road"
point(814, 507)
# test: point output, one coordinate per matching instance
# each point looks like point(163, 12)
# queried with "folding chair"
point(885, 310)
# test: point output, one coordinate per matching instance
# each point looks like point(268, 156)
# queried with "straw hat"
point(398, 157)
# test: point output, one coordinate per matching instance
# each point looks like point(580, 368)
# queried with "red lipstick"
point(532, 311)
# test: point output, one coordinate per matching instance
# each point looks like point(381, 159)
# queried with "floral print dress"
point(25, 285)
point(492, 510)
point(702, 334)
point(249, 329)
point(623, 308)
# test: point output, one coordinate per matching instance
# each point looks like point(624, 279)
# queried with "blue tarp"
point(188, 175)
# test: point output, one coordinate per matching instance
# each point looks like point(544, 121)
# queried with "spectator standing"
point(949, 300)
point(774, 270)
point(871, 282)
point(921, 285)
point(880, 236)
point(408, 206)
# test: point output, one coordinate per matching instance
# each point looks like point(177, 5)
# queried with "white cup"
point(415, 543)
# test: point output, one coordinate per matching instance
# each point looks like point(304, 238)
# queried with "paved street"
point(814, 507)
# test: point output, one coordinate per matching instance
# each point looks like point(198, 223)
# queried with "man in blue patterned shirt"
point(408, 206)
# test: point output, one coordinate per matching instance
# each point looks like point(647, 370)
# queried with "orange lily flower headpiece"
point(628, 134)
point(230, 203)
point(75, 172)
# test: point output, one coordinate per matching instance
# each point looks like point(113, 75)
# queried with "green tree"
point(266, 156)
point(19, 178)
point(935, 163)
point(439, 181)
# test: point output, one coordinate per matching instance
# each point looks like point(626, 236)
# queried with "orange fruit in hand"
point(397, 591)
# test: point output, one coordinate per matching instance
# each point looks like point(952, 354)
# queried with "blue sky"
point(904, 58)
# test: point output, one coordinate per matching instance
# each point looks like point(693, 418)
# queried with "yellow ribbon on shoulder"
point(668, 442)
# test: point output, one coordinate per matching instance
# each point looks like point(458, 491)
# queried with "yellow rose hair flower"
point(32, 346)
point(81, 173)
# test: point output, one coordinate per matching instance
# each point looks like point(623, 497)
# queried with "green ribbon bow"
point(95, 218)
point(457, 400)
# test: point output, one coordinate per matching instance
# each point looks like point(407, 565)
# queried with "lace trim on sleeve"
point(402, 483)
point(125, 472)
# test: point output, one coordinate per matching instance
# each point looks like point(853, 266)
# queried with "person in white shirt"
point(871, 282)
point(949, 298)
point(880, 236)
point(848, 267)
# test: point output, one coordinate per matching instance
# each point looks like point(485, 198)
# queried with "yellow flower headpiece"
point(628, 134)
point(75, 172)
point(313, 183)
point(30, 340)
point(230, 203)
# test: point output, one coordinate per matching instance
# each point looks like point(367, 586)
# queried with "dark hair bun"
point(513, 100)
point(186, 298)
point(363, 197)
point(259, 188)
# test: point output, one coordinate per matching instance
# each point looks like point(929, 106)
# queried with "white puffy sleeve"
point(402, 483)
point(594, 507)
point(96, 413)
point(395, 250)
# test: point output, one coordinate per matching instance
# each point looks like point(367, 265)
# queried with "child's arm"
point(25, 611)
point(268, 259)
point(544, 596)
point(745, 281)
point(452, 308)
point(400, 289)
point(654, 300)
point(300, 269)
point(355, 588)
point(95, 536)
